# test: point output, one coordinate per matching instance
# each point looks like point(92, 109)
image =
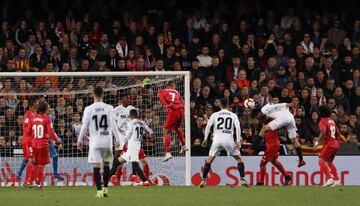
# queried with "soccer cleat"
point(105, 192)
point(25, 185)
point(38, 187)
point(115, 180)
point(183, 149)
point(99, 194)
point(145, 184)
point(168, 157)
point(202, 184)
point(59, 177)
point(259, 184)
point(243, 183)
point(301, 163)
point(329, 182)
point(336, 183)
point(288, 178)
point(134, 178)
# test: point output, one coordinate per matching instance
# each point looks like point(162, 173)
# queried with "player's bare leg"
point(97, 179)
point(207, 168)
point(106, 177)
point(167, 142)
point(241, 169)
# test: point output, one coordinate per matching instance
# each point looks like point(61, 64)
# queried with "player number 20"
point(38, 131)
point(227, 121)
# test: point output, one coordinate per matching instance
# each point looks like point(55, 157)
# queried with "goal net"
point(68, 94)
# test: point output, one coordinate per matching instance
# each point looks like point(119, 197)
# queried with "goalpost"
point(68, 93)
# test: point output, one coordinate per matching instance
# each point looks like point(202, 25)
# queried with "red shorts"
point(141, 153)
point(174, 119)
point(41, 155)
point(271, 152)
point(27, 150)
point(328, 153)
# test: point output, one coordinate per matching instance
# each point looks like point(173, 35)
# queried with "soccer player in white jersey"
point(282, 118)
point(223, 125)
point(122, 113)
point(134, 134)
point(98, 118)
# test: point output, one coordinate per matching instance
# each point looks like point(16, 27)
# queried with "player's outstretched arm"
point(84, 127)
point(209, 124)
point(114, 129)
point(148, 129)
point(128, 132)
point(238, 131)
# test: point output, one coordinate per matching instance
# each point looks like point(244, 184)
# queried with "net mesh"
point(68, 97)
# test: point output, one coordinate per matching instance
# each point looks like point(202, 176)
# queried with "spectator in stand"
point(21, 61)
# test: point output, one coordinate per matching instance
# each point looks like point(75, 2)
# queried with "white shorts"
point(288, 123)
point(100, 155)
point(230, 147)
point(132, 153)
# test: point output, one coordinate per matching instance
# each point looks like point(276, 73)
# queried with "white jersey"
point(98, 118)
point(135, 131)
point(276, 111)
point(225, 124)
point(121, 115)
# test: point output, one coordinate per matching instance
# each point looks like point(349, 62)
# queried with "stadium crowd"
point(305, 54)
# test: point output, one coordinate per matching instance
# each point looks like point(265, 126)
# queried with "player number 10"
point(38, 131)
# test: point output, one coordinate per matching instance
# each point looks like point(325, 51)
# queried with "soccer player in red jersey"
point(328, 137)
point(170, 98)
point(271, 155)
point(27, 141)
point(41, 129)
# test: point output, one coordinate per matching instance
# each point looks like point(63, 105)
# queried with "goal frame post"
point(186, 75)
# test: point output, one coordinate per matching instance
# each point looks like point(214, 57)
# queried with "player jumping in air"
point(122, 113)
point(98, 118)
point(41, 128)
point(224, 124)
point(28, 161)
point(328, 134)
point(170, 98)
point(271, 155)
point(282, 118)
point(134, 135)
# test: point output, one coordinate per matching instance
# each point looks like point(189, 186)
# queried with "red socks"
point(279, 166)
point(167, 142)
point(262, 171)
point(29, 173)
point(324, 169)
point(181, 136)
point(146, 170)
point(333, 171)
point(39, 175)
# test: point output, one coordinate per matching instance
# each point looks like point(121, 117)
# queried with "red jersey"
point(41, 129)
point(170, 96)
point(328, 126)
point(27, 135)
point(272, 138)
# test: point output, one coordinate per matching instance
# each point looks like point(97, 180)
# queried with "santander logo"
point(212, 179)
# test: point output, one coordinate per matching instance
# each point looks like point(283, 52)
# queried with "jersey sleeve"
point(51, 131)
point(85, 125)
point(162, 97)
point(148, 129)
point(114, 128)
point(128, 132)
point(26, 125)
point(322, 125)
point(237, 128)
point(208, 126)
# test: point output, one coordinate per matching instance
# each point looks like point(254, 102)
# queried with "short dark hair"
point(133, 113)
point(223, 102)
point(32, 100)
point(324, 111)
point(42, 107)
point(170, 83)
point(98, 92)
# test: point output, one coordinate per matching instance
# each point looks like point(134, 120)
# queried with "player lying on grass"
point(134, 135)
point(223, 125)
point(98, 118)
point(41, 129)
point(173, 103)
point(328, 134)
point(282, 118)
point(122, 118)
point(271, 155)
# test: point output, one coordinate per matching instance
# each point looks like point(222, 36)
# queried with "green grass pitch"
point(184, 196)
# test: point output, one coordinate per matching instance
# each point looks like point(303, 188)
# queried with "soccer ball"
point(249, 103)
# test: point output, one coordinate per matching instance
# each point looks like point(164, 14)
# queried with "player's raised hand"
point(204, 143)
point(60, 147)
point(80, 146)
